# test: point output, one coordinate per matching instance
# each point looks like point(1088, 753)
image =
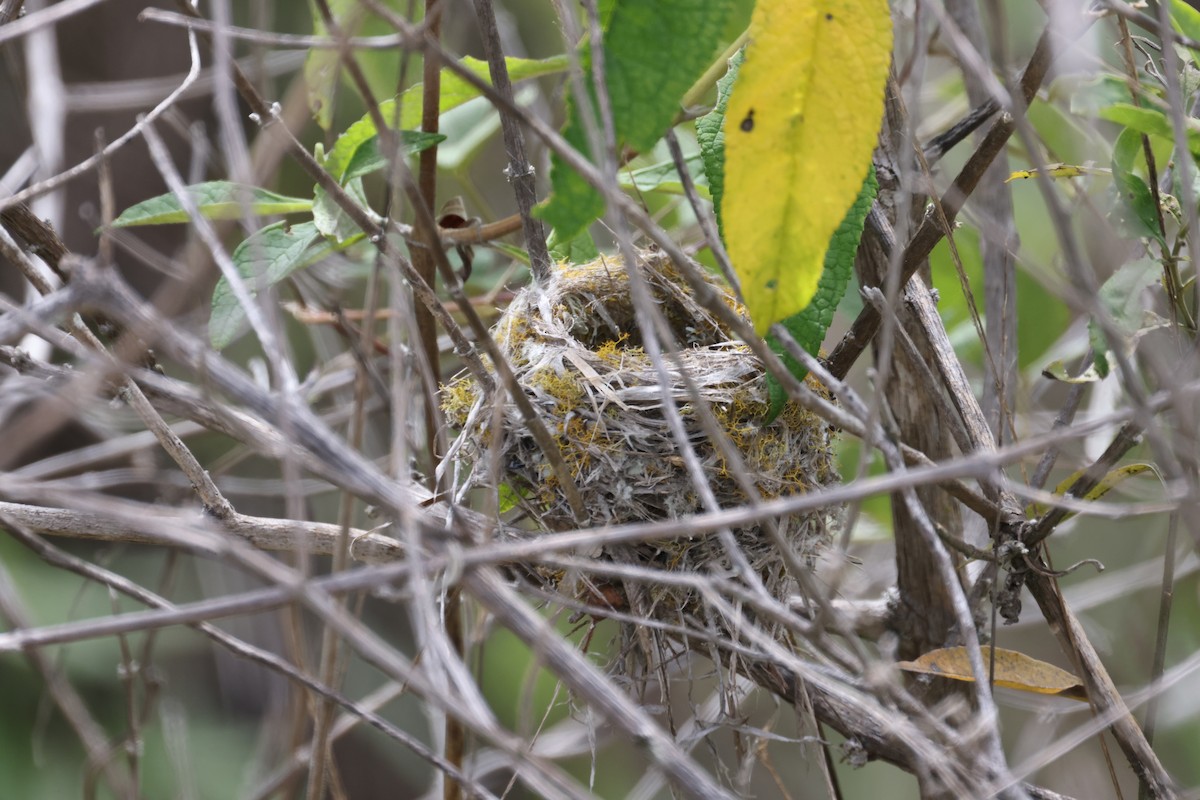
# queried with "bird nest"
point(576, 350)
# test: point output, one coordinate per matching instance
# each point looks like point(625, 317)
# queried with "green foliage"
point(1150, 121)
point(663, 178)
point(653, 53)
point(405, 111)
point(710, 132)
point(509, 498)
point(1186, 20)
point(322, 65)
point(1143, 152)
point(276, 251)
point(809, 326)
point(263, 260)
point(214, 200)
point(1121, 298)
point(355, 155)
point(1135, 213)
point(579, 250)
point(335, 223)
point(366, 159)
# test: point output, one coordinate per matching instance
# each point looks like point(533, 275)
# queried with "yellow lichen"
point(613, 351)
point(563, 387)
point(458, 397)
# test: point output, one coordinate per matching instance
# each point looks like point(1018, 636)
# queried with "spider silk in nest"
point(575, 348)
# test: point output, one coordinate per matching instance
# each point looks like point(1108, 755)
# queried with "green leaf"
point(664, 178)
point(1100, 358)
point(574, 204)
point(648, 68)
point(1089, 97)
point(1134, 212)
point(802, 122)
point(808, 327)
point(456, 91)
point(518, 254)
point(215, 200)
point(1150, 121)
point(1057, 370)
point(405, 112)
point(580, 250)
point(1121, 297)
point(604, 12)
point(334, 223)
point(1186, 20)
point(264, 259)
point(509, 498)
point(367, 159)
point(710, 133)
point(653, 53)
point(472, 125)
point(322, 65)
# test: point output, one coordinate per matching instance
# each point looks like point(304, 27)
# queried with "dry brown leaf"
point(1012, 669)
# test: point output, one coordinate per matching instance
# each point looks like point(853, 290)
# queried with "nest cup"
point(576, 350)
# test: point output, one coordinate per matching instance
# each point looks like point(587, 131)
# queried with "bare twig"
point(44, 18)
point(91, 735)
point(82, 168)
point(519, 171)
point(293, 40)
point(931, 230)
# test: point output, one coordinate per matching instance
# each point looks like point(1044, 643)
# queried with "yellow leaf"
point(1012, 669)
point(1102, 488)
point(800, 128)
point(1057, 371)
point(1060, 171)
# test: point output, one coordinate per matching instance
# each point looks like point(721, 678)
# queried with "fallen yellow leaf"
point(1013, 670)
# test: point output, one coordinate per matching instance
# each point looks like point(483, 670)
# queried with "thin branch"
point(519, 171)
point(1165, 601)
point(361, 710)
point(85, 166)
point(932, 228)
point(494, 594)
point(68, 701)
point(290, 40)
point(1126, 438)
point(44, 18)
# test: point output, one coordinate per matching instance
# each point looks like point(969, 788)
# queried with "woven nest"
point(575, 348)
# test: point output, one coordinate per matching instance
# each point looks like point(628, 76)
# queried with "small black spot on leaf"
point(829, 16)
point(771, 284)
point(748, 123)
